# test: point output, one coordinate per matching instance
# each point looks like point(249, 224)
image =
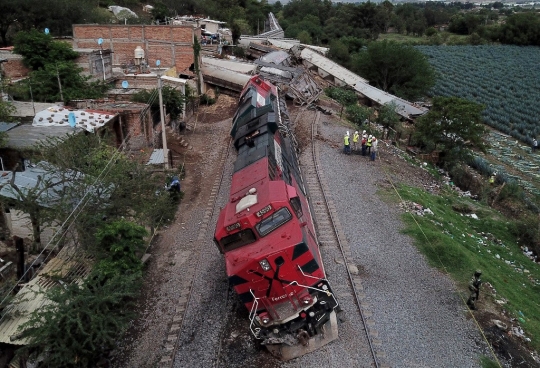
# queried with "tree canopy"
point(54, 74)
point(82, 321)
point(454, 127)
point(395, 68)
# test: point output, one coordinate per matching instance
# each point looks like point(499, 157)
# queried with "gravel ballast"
point(420, 319)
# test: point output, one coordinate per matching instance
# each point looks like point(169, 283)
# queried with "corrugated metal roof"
point(4, 127)
point(236, 66)
point(157, 157)
point(330, 67)
point(44, 173)
point(69, 266)
point(26, 135)
point(404, 107)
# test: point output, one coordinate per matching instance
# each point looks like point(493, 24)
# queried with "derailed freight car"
point(267, 235)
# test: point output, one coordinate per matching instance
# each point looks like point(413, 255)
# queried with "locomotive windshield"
point(271, 223)
point(237, 240)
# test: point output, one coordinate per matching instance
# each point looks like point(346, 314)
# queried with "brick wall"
point(172, 44)
point(14, 69)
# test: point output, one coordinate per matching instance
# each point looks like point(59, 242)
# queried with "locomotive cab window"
point(237, 240)
point(274, 221)
point(297, 206)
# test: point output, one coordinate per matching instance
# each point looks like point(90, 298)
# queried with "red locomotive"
point(266, 232)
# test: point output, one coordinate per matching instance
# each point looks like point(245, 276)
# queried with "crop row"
point(506, 79)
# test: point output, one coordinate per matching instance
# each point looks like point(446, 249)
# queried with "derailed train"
point(266, 232)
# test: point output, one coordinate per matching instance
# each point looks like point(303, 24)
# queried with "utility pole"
point(31, 94)
point(163, 133)
point(59, 84)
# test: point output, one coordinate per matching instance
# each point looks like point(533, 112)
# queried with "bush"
point(431, 31)
point(207, 100)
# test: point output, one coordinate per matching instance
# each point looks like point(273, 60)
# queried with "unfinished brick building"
point(171, 44)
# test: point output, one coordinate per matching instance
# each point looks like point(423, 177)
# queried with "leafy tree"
point(39, 49)
point(339, 52)
point(6, 110)
point(357, 114)
point(121, 242)
point(160, 11)
point(304, 37)
point(454, 127)
point(387, 116)
point(344, 96)
point(173, 100)
point(54, 76)
point(81, 322)
point(395, 68)
point(431, 31)
point(9, 12)
point(521, 29)
point(105, 190)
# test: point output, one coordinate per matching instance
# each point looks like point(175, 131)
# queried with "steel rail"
point(333, 222)
point(218, 183)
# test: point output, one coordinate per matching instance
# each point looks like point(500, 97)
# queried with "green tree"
point(80, 322)
point(105, 191)
point(388, 117)
point(454, 127)
point(339, 52)
point(39, 49)
point(395, 68)
point(521, 29)
point(160, 11)
point(173, 100)
point(121, 243)
point(9, 12)
point(54, 75)
point(304, 37)
point(357, 114)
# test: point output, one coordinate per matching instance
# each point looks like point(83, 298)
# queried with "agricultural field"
point(506, 79)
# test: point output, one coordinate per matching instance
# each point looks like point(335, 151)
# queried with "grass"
point(398, 37)
point(445, 38)
point(458, 244)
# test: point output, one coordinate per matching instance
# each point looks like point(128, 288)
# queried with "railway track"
point(177, 325)
point(339, 262)
point(191, 330)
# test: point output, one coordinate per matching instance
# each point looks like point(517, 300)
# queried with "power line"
point(72, 216)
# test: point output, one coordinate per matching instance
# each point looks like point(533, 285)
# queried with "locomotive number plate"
point(263, 211)
point(233, 227)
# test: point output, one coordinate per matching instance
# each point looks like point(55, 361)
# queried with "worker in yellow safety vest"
point(355, 138)
point(347, 143)
point(368, 144)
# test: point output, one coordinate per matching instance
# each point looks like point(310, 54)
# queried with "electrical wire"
point(72, 216)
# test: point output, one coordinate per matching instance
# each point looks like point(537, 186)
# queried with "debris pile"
point(415, 208)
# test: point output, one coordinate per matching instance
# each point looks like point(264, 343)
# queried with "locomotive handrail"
point(252, 314)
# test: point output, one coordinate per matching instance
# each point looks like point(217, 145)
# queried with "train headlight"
point(265, 265)
point(265, 318)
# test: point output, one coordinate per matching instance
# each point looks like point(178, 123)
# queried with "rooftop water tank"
point(139, 54)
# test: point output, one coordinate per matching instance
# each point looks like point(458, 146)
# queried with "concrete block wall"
point(171, 44)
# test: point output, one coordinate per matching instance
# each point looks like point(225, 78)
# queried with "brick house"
point(171, 44)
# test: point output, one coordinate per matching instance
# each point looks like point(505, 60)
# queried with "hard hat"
point(370, 136)
point(356, 132)
point(477, 272)
point(363, 132)
point(347, 132)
